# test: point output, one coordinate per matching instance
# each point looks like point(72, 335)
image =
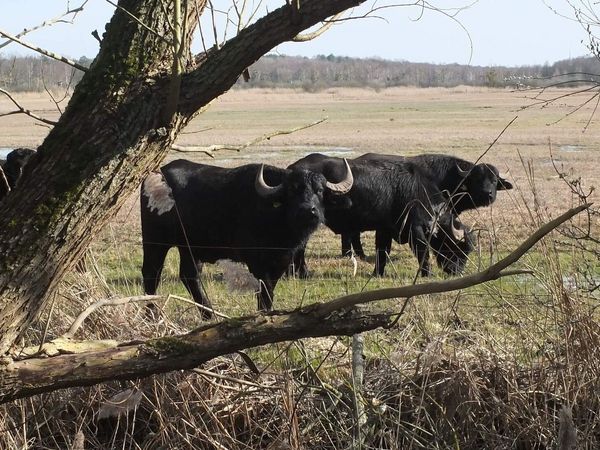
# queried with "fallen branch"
point(125, 361)
point(213, 148)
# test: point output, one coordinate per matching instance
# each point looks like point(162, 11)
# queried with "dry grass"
point(509, 365)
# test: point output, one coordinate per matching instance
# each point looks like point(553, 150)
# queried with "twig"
point(122, 301)
point(137, 20)
point(315, 34)
point(493, 272)
point(49, 22)
point(207, 373)
point(212, 148)
point(47, 53)
point(4, 186)
point(23, 110)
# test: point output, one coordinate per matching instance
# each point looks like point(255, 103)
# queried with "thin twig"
point(212, 148)
point(49, 22)
point(78, 322)
point(47, 53)
point(23, 110)
point(137, 20)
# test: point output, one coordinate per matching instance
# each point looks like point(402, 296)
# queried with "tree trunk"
point(118, 126)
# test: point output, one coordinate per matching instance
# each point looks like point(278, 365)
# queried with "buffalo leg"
point(154, 260)
point(298, 267)
point(264, 296)
point(357, 245)
point(346, 244)
point(420, 248)
point(189, 274)
point(383, 246)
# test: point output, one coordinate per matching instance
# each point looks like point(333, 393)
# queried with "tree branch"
point(20, 379)
point(221, 68)
point(22, 110)
point(265, 137)
point(47, 53)
point(49, 22)
point(315, 34)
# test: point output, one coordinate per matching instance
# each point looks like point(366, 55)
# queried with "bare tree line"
point(36, 73)
point(335, 71)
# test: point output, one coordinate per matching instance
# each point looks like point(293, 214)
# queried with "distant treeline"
point(320, 72)
point(335, 71)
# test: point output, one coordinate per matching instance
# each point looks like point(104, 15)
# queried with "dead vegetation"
point(511, 365)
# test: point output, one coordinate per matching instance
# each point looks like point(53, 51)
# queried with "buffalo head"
point(481, 183)
point(303, 194)
point(452, 242)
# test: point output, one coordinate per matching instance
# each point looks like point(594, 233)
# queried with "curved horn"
point(346, 184)
point(504, 175)
point(459, 234)
point(263, 189)
point(462, 172)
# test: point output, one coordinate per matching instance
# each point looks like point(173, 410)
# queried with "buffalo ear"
point(503, 184)
point(336, 201)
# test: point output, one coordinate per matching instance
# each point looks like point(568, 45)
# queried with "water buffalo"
point(466, 185)
point(254, 214)
point(12, 168)
point(401, 202)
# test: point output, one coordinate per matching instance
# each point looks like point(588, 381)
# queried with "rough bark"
point(111, 134)
point(31, 376)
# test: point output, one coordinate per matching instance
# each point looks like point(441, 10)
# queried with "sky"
point(489, 32)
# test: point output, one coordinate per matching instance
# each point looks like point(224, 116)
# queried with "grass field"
point(444, 345)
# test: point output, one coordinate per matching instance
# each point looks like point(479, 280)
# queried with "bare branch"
point(47, 53)
point(491, 273)
point(315, 34)
point(138, 21)
point(23, 110)
point(213, 148)
point(49, 22)
point(78, 322)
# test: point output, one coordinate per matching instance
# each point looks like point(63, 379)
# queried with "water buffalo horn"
point(263, 189)
point(462, 172)
point(346, 184)
point(459, 235)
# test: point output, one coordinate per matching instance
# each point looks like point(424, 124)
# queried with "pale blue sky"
point(503, 32)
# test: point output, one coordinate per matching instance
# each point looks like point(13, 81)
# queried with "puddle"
point(571, 148)
point(4, 151)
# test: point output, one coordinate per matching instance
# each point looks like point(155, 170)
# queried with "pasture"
point(432, 370)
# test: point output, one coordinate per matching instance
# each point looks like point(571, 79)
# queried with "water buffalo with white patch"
point(254, 214)
point(12, 168)
point(400, 202)
point(466, 185)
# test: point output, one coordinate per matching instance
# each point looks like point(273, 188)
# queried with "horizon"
point(511, 33)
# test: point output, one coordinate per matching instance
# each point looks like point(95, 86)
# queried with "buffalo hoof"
point(377, 274)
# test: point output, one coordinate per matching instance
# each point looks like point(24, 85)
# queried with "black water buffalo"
point(211, 213)
point(401, 202)
point(466, 185)
point(12, 168)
